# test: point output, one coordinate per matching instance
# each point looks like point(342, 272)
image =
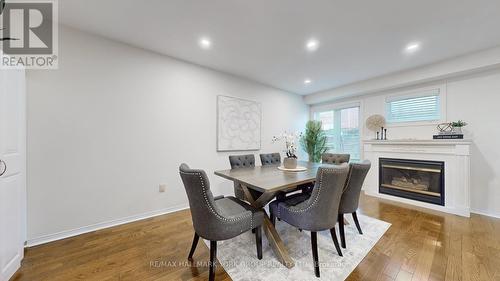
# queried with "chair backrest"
point(320, 211)
point(352, 190)
point(270, 159)
point(242, 161)
point(204, 211)
point(237, 162)
point(332, 158)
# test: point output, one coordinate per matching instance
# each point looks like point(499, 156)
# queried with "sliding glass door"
point(342, 129)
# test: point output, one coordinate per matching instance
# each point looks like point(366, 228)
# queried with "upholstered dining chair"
point(219, 218)
point(239, 162)
point(270, 159)
point(350, 197)
point(319, 211)
point(332, 158)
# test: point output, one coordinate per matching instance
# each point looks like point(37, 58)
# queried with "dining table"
point(268, 181)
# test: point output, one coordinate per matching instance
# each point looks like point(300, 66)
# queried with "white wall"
point(114, 122)
point(474, 98)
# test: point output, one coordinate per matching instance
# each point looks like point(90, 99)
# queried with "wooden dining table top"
point(269, 178)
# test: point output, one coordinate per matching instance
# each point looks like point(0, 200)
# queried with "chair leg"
point(314, 246)
point(341, 230)
point(193, 246)
point(273, 219)
point(355, 217)
point(336, 241)
point(211, 265)
point(258, 241)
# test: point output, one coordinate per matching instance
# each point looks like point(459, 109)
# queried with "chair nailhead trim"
point(210, 206)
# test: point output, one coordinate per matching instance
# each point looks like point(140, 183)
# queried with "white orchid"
point(290, 143)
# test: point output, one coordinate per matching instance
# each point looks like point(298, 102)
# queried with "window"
point(342, 129)
point(424, 106)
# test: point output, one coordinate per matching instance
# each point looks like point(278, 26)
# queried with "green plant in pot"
point(314, 141)
point(457, 126)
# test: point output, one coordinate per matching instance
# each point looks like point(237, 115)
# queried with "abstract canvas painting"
point(238, 124)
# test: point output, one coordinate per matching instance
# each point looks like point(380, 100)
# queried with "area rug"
point(238, 256)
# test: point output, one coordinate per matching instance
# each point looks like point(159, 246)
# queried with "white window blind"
point(421, 107)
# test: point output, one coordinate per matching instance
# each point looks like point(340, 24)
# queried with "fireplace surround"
point(452, 155)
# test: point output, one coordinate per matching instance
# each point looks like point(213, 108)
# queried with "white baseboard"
point(85, 229)
point(485, 213)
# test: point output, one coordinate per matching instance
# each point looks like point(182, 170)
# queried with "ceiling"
point(264, 40)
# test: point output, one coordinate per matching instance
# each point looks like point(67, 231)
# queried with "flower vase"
point(290, 163)
point(456, 130)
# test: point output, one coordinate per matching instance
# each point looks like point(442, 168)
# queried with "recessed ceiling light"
point(312, 45)
point(412, 47)
point(307, 81)
point(205, 43)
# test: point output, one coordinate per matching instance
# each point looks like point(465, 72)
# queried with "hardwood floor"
point(420, 245)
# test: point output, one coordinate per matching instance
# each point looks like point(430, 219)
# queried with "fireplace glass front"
point(412, 179)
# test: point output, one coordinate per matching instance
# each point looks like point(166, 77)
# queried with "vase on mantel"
point(290, 163)
point(456, 130)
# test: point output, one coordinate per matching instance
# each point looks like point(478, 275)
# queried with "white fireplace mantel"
point(454, 153)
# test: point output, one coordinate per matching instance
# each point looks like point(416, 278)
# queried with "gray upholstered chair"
point(239, 162)
point(317, 212)
point(219, 218)
point(332, 158)
point(350, 197)
point(270, 159)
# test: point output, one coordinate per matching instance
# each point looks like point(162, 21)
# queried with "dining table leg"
point(272, 235)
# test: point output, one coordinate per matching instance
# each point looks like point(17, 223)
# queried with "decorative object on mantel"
point(444, 128)
point(451, 130)
point(457, 126)
point(290, 162)
point(374, 123)
point(448, 137)
point(314, 141)
point(383, 134)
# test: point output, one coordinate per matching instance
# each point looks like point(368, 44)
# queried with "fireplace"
point(412, 179)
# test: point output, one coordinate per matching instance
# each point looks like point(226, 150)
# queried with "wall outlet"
point(162, 188)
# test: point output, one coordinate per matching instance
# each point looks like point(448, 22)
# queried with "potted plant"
point(457, 126)
point(290, 139)
point(314, 141)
